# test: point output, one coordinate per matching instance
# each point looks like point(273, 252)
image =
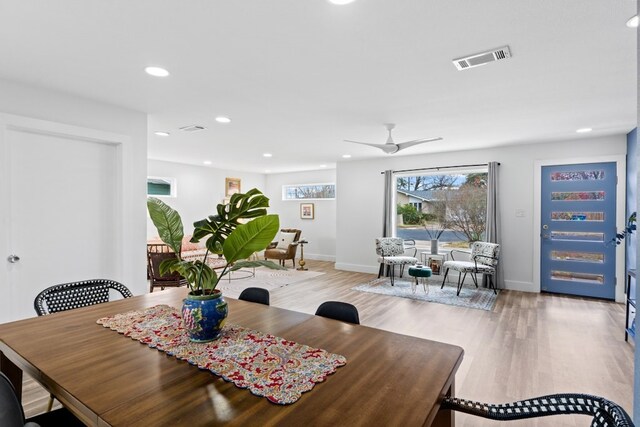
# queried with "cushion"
point(285, 239)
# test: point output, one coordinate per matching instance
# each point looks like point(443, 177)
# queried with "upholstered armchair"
point(483, 259)
point(390, 252)
point(285, 247)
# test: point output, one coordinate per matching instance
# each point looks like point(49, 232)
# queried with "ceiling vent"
point(482, 58)
point(192, 128)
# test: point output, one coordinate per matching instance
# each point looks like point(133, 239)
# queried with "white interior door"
point(61, 215)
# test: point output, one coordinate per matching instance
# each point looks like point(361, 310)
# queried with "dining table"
point(108, 379)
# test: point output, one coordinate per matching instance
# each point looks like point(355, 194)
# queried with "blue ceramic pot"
point(204, 315)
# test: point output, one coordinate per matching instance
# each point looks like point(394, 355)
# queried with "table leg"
point(12, 372)
point(446, 418)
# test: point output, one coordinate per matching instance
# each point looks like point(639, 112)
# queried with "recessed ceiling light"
point(341, 1)
point(584, 130)
point(161, 133)
point(267, 155)
point(323, 166)
point(346, 156)
point(207, 162)
point(156, 71)
point(223, 119)
point(633, 22)
point(267, 171)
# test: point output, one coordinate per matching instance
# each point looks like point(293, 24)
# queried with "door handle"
point(13, 258)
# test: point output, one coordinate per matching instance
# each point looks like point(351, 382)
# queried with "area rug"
point(264, 278)
point(470, 297)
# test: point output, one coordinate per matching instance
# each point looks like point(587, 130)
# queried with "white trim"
point(621, 166)
point(357, 268)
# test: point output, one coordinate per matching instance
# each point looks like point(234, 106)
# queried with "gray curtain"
point(389, 211)
point(493, 216)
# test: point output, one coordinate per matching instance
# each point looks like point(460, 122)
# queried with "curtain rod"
point(440, 167)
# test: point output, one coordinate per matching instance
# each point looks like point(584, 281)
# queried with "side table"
point(434, 261)
point(302, 262)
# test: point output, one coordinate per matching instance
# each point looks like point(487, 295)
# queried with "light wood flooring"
point(529, 345)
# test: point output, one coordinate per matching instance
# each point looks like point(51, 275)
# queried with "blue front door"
point(577, 230)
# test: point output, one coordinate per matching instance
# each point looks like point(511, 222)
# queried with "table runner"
point(269, 366)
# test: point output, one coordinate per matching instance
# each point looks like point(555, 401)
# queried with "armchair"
point(286, 246)
point(484, 259)
point(391, 252)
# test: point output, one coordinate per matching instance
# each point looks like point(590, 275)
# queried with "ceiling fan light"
point(341, 2)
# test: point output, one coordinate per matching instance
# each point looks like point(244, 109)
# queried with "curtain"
point(389, 211)
point(493, 216)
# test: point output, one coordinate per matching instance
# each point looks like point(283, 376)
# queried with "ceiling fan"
point(391, 147)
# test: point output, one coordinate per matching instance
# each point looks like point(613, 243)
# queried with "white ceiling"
point(299, 76)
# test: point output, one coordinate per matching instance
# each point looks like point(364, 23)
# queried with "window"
point(448, 207)
point(161, 187)
point(309, 192)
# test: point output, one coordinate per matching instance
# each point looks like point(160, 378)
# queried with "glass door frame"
point(621, 166)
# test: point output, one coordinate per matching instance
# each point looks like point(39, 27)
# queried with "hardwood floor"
point(529, 345)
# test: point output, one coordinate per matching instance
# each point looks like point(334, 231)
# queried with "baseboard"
point(514, 285)
point(320, 257)
point(357, 268)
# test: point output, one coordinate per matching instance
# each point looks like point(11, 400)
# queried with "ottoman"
point(420, 273)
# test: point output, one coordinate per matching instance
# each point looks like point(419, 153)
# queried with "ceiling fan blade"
point(407, 144)
point(387, 148)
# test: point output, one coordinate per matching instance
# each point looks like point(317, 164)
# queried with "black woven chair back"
point(11, 414)
point(258, 295)
point(339, 311)
point(604, 412)
point(68, 296)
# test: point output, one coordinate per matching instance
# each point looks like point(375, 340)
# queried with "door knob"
point(13, 259)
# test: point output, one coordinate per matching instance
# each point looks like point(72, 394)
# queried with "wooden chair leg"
point(293, 260)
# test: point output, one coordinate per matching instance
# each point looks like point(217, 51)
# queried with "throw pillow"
point(284, 240)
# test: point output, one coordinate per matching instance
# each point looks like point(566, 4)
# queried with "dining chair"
point(390, 252)
point(484, 260)
point(604, 412)
point(67, 296)
point(339, 311)
point(257, 295)
point(12, 414)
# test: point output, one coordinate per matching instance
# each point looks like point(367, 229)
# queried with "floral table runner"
point(268, 366)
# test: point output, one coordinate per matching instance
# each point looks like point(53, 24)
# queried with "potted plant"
point(204, 310)
point(628, 229)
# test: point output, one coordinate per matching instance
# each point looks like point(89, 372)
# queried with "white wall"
point(360, 200)
point(320, 231)
point(199, 189)
point(21, 100)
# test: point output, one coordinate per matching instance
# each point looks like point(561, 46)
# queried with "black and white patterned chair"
point(390, 252)
point(483, 260)
point(604, 412)
point(68, 296)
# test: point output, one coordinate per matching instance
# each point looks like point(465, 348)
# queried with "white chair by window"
point(390, 252)
point(483, 259)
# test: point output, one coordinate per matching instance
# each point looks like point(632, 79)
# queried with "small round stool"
point(420, 273)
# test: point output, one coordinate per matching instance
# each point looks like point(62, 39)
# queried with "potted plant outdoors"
point(204, 310)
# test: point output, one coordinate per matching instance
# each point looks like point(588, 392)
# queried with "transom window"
point(309, 191)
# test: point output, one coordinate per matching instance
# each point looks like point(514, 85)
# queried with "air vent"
point(482, 58)
point(192, 128)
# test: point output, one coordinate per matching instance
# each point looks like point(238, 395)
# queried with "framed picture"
point(306, 210)
point(231, 186)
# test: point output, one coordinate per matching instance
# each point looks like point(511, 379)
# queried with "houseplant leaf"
point(256, 263)
point(250, 237)
point(167, 222)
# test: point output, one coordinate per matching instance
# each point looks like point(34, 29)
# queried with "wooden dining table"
point(107, 379)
